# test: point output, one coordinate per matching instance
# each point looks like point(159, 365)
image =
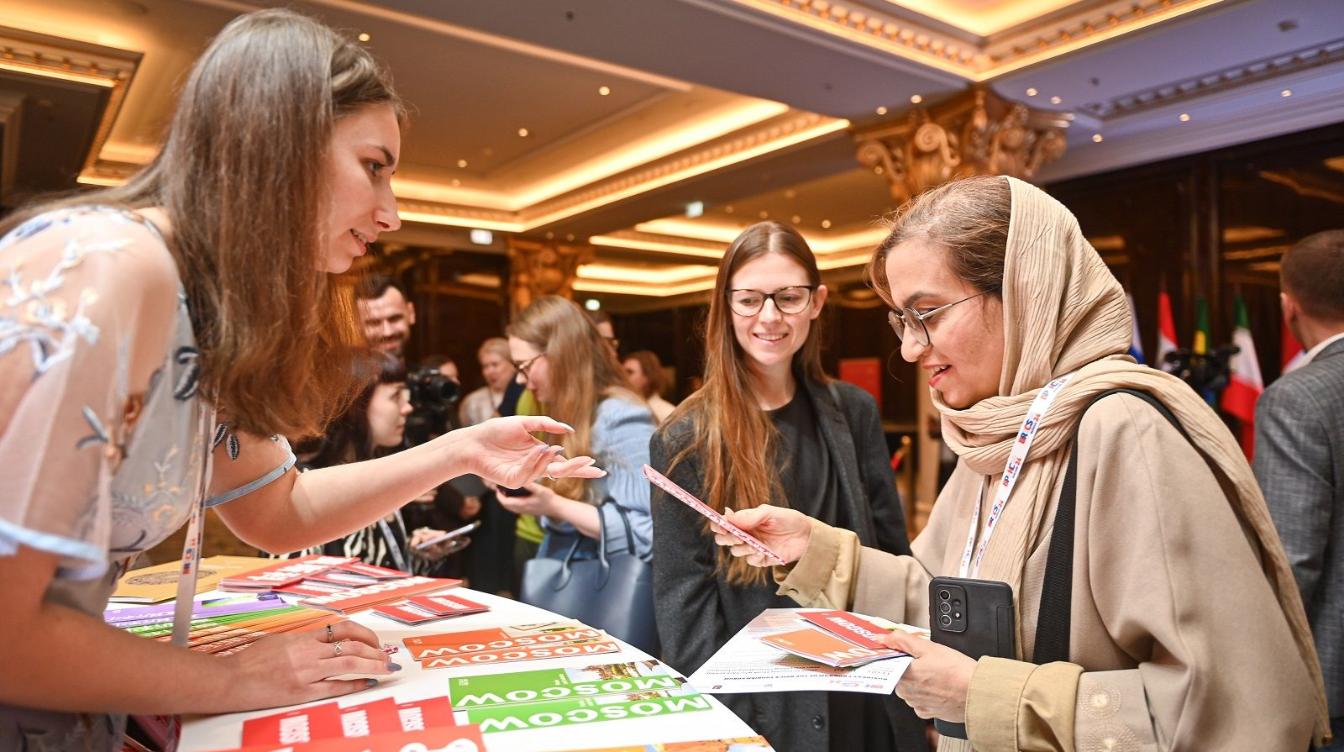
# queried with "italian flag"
point(1166, 331)
point(1245, 386)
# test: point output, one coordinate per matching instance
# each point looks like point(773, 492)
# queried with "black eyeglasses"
point(793, 299)
point(526, 364)
point(906, 320)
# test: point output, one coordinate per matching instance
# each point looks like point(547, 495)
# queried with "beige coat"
point(1177, 642)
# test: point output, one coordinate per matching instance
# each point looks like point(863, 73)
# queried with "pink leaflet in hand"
point(680, 494)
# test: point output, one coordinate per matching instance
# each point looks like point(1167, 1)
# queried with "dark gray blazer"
point(1299, 461)
point(698, 611)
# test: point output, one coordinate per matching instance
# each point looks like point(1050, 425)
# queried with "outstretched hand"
point(504, 451)
point(784, 531)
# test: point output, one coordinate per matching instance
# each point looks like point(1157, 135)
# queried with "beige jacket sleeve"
point(837, 572)
point(1164, 569)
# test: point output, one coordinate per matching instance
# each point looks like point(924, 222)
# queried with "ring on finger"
point(337, 646)
point(330, 636)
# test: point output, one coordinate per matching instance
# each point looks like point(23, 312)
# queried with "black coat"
point(699, 611)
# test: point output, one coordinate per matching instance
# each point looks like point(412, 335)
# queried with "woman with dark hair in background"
point(373, 426)
point(158, 341)
point(646, 375)
point(769, 427)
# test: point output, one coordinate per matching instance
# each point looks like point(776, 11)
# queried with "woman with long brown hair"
point(769, 427)
point(574, 375)
point(1155, 608)
point(157, 341)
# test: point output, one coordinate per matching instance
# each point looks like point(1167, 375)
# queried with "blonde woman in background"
point(483, 403)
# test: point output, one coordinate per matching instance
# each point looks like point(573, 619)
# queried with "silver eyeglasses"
point(906, 320)
point(793, 299)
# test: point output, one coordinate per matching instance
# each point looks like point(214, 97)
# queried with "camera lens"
point(944, 594)
point(945, 620)
point(944, 608)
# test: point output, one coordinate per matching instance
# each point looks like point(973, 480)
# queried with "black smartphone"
point(514, 491)
point(974, 617)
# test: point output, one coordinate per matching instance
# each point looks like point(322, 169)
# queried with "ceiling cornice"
point(977, 59)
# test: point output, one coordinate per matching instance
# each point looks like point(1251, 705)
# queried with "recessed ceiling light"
point(881, 110)
point(550, 235)
point(1031, 92)
point(364, 36)
point(570, 237)
point(728, 209)
point(603, 91)
point(592, 304)
point(1055, 100)
point(790, 194)
point(763, 214)
point(916, 99)
point(522, 133)
point(1096, 138)
point(1286, 93)
point(795, 219)
point(1184, 117)
point(461, 163)
point(825, 224)
point(456, 182)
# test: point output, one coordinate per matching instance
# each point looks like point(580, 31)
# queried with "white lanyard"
point(1017, 458)
point(191, 548)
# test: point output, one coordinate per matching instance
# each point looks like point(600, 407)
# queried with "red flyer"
point(405, 613)
point(371, 719)
point(310, 587)
point(565, 650)
point(294, 726)
point(440, 739)
point(849, 626)
point(425, 714)
point(447, 605)
point(388, 590)
point(284, 572)
point(377, 573)
point(824, 647)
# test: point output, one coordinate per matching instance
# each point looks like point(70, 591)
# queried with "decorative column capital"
point(538, 268)
point(976, 133)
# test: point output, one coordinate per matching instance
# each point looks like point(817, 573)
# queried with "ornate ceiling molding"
point(28, 53)
point(1220, 80)
point(976, 58)
point(977, 133)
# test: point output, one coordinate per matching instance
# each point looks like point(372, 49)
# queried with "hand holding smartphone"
point(973, 617)
point(680, 494)
point(450, 535)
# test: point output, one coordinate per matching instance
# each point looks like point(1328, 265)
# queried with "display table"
point(414, 683)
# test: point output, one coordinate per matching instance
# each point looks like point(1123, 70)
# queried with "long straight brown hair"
point(734, 438)
point(586, 372)
point(239, 176)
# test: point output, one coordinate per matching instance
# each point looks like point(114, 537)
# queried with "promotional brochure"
point(521, 687)
point(159, 583)
point(747, 663)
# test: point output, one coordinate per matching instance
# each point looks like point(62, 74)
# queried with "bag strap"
point(1053, 618)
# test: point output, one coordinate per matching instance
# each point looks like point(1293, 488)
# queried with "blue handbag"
point(613, 591)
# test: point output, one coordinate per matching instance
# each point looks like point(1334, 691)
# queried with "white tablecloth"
point(412, 683)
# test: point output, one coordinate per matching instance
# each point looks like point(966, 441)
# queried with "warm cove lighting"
point(62, 75)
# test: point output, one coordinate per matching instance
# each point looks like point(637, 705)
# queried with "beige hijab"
point(1063, 311)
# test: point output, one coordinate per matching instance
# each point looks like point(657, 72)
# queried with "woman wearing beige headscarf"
point(1186, 630)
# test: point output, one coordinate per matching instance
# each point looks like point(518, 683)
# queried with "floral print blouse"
point(95, 468)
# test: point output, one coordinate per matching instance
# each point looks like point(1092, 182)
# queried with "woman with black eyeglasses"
point(769, 427)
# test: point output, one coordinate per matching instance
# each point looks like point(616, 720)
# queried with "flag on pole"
point(1246, 384)
point(1166, 330)
point(1293, 352)
point(1202, 336)
point(1135, 344)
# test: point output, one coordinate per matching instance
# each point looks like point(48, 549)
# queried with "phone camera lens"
point(944, 608)
point(944, 594)
point(945, 620)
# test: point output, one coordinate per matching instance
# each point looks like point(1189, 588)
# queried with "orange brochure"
point(499, 638)
point(442, 739)
point(823, 647)
point(284, 572)
point(530, 653)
